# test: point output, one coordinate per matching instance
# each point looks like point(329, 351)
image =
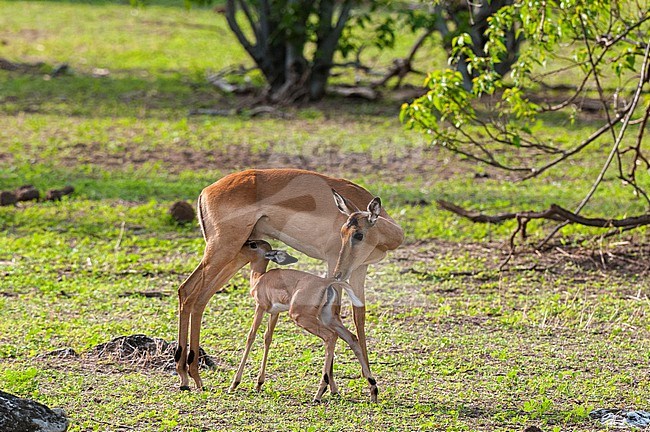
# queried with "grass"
point(454, 343)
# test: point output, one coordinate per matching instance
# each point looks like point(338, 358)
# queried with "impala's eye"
point(252, 245)
point(358, 236)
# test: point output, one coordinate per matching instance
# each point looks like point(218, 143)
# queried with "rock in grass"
point(7, 198)
point(24, 415)
point(27, 193)
point(182, 212)
point(57, 194)
point(60, 353)
point(53, 195)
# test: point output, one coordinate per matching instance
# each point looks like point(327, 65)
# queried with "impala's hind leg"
point(220, 262)
point(184, 312)
point(303, 312)
point(197, 305)
point(326, 379)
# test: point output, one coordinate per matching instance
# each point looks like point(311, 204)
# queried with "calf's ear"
point(280, 257)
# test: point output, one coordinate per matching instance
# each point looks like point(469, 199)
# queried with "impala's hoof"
point(232, 387)
point(185, 388)
point(316, 401)
point(373, 395)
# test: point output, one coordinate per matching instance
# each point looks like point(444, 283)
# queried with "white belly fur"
point(278, 307)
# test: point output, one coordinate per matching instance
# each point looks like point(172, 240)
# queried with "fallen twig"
point(554, 213)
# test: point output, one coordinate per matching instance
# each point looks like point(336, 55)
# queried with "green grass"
point(454, 343)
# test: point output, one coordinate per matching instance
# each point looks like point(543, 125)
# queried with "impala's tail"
point(199, 213)
point(356, 301)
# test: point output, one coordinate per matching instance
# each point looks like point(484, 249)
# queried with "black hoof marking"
point(190, 357)
point(185, 388)
point(326, 379)
point(177, 354)
point(372, 381)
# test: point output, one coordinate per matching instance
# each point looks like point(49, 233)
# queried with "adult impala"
point(290, 205)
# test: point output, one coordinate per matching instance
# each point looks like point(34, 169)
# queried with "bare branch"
point(404, 66)
point(251, 21)
point(231, 12)
point(566, 155)
point(554, 212)
point(621, 133)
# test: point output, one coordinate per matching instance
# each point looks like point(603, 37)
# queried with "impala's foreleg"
point(257, 320)
point(357, 282)
point(334, 322)
point(268, 338)
point(353, 342)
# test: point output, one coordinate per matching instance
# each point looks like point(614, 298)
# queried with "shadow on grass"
point(141, 94)
point(136, 94)
point(164, 95)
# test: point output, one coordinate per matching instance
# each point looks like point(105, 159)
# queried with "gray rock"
point(621, 419)
point(24, 415)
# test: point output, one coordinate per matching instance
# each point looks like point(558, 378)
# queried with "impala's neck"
point(258, 268)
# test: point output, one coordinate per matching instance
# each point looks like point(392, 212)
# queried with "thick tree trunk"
point(328, 35)
point(482, 10)
point(279, 50)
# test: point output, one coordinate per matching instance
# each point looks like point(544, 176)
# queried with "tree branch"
point(403, 66)
point(621, 133)
point(565, 155)
point(231, 12)
point(554, 212)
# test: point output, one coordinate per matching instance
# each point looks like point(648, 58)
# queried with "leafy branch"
point(495, 122)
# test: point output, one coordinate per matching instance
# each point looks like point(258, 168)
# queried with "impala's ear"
point(280, 257)
point(374, 208)
point(343, 204)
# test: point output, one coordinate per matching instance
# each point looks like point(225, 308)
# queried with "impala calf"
point(313, 303)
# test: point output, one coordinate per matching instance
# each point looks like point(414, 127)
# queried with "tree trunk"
point(482, 10)
point(278, 49)
point(328, 34)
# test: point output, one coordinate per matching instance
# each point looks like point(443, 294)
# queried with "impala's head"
point(260, 252)
point(356, 244)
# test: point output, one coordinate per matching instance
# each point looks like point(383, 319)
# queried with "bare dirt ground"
point(425, 163)
point(627, 258)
